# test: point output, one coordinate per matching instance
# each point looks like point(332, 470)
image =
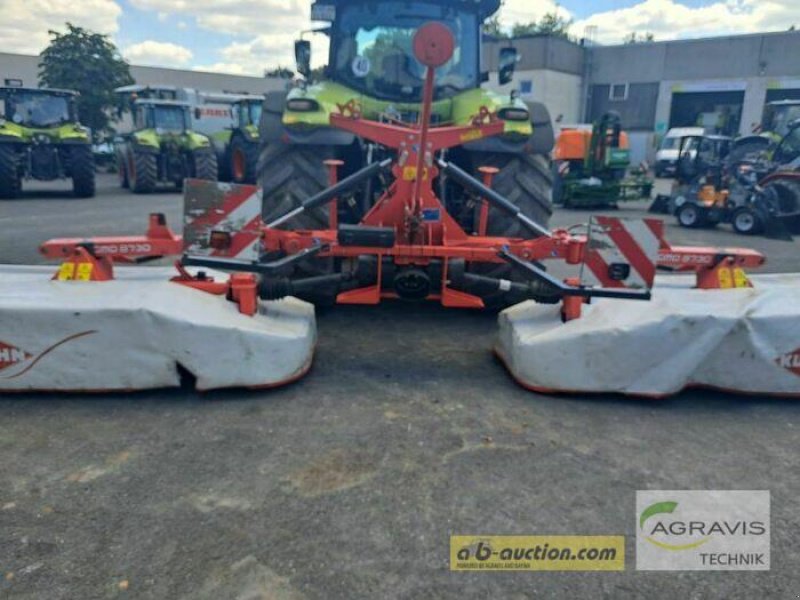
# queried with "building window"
point(618, 92)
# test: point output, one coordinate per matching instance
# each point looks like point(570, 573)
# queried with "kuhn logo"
point(790, 361)
point(11, 355)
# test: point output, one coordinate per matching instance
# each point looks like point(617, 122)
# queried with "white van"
point(667, 155)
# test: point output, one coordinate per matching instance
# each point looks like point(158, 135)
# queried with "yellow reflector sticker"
point(85, 271)
point(537, 553)
point(66, 272)
point(740, 279)
point(725, 279)
point(410, 173)
point(472, 134)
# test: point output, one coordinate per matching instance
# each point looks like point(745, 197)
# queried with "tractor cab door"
point(687, 167)
point(143, 117)
point(788, 150)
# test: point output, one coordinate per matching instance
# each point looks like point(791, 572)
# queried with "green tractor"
point(238, 146)
point(162, 148)
point(373, 70)
point(41, 138)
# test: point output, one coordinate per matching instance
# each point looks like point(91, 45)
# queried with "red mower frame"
point(410, 227)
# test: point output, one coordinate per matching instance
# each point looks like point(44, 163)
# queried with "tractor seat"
point(395, 71)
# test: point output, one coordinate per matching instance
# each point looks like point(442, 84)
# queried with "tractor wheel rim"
point(689, 215)
point(745, 221)
point(238, 165)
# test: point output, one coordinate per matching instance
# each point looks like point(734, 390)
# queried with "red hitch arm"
point(159, 241)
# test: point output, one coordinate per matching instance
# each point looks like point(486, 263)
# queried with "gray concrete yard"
point(348, 483)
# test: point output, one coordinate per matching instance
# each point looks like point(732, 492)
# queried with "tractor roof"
point(45, 91)
point(485, 8)
point(135, 88)
point(160, 102)
point(784, 103)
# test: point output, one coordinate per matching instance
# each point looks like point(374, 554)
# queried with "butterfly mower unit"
point(599, 328)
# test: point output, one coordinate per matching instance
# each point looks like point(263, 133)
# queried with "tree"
point(492, 27)
point(89, 63)
point(635, 38)
point(280, 72)
point(554, 24)
point(520, 29)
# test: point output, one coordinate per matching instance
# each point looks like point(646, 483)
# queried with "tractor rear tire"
point(243, 160)
point(122, 171)
point(82, 169)
point(288, 175)
point(788, 196)
point(10, 184)
point(142, 171)
point(204, 165)
point(527, 181)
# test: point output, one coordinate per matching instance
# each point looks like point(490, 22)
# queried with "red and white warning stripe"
point(237, 211)
point(634, 242)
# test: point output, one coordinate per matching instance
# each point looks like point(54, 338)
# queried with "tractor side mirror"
point(302, 56)
point(507, 64)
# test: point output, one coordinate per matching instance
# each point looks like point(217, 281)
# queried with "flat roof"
point(58, 91)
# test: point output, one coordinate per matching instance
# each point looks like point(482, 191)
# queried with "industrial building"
point(722, 83)
point(25, 68)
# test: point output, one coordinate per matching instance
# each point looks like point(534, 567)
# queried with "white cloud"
point(151, 52)
point(24, 25)
point(668, 19)
point(238, 17)
point(526, 11)
point(263, 31)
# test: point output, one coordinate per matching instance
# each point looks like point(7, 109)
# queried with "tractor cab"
point(162, 115)
point(247, 113)
point(779, 116)
point(37, 108)
point(787, 152)
point(702, 157)
point(371, 46)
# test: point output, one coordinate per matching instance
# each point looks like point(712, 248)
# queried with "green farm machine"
point(41, 138)
point(372, 72)
point(161, 147)
point(591, 167)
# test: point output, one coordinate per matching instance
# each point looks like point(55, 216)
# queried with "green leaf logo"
point(667, 507)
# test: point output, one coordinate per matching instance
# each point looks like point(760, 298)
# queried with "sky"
point(249, 36)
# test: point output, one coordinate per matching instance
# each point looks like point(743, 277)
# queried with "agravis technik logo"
point(702, 530)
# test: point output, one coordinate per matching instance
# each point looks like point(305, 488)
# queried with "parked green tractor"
point(238, 147)
point(41, 138)
point(162, 149)
point(372, 70)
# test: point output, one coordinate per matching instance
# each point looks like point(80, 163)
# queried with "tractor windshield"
point(372, 50)
point(33, 109)
point(780, 116)
point(251, 113)
point(168, 118)
point(789, 148)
